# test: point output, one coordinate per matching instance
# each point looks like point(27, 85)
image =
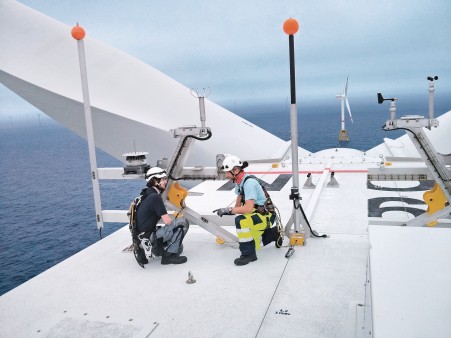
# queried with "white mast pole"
point(78, 33)
point(290, 27)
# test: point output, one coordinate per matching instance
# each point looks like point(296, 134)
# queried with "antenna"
point(201, 95)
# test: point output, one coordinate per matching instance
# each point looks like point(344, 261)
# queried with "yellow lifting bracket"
point(177, 195)
point(435, 200)
point(297, 239)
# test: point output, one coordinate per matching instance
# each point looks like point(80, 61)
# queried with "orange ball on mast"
point(78, 33)
point(290, 26)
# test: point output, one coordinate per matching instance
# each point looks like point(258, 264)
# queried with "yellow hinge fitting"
point(435, 200)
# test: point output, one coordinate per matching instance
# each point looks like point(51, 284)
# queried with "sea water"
point(46, 201)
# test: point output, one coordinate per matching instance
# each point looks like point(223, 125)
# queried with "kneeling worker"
point(254, 221)
point(166, 240)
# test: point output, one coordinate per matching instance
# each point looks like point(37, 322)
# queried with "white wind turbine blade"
point(349, 109)
point(346, 87)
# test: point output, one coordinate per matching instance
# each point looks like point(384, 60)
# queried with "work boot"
point(157, 247)
point(243, 260)
point(156, 252)
point(141, 256)
point(172, 258)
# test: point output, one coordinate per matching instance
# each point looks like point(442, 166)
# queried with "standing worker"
point(255, 211)
point(166, 240)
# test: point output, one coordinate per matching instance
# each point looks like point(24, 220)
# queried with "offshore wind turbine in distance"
point(343, 135)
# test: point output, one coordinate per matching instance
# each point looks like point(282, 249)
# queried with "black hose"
point(308, 224)
point(305, 217)
point(180, 151)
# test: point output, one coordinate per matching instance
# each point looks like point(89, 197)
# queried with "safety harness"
point(144, 240)
point(267, 208)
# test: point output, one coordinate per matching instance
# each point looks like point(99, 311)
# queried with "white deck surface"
point(411, 281)
point(313, 293)
point(318, 292)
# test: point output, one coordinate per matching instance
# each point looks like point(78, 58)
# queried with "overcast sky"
point(239, 50)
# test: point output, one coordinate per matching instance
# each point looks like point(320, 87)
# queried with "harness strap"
point(143, 195)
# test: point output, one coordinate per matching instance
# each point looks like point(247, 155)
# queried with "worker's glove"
point(223, 211)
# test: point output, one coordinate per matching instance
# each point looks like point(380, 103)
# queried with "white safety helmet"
point(155, 172)
point(230, 162)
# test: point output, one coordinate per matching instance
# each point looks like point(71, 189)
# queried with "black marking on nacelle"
point(278, 184)
point(375, 210)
